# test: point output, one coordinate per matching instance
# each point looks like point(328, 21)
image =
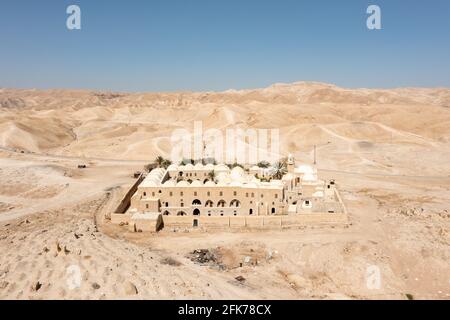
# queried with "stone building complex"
point(188, 195)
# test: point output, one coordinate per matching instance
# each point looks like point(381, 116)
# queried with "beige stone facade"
point(232, 196)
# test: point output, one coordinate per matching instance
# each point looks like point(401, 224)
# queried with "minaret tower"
point(291, 163)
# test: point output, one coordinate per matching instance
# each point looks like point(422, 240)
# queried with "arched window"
point(181, 213)
point(221, 204)
point(166, 213)
point(235, 203)
point(196, 212)
point(273, 210)
point(209, 203)
point(196, 202)
point(250, 212)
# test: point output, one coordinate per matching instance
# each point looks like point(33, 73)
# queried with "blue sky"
point(169, 45)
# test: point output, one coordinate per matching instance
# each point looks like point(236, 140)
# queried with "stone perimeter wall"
point(256, 222)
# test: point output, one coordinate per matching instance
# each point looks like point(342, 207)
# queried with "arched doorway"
point(235, 203)
point(196, 212)
point(250, 212)
point(209, 203)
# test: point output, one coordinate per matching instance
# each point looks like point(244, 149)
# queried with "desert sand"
point(389, 151)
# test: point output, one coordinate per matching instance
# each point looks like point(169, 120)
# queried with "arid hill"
point(379, 129)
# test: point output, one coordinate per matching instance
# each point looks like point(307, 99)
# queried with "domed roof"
point(196, 183)
point(181, 167)
point(237, 171)
point(221, 167)
point(198, 166)
point(209, 184)
point(304, 168)
point(189, 166)
point(255, 168)
point(172, 167)
point(209, 166)
point(148, 184)
point(223, 178)
point(309, 177)
point(183, 184)
point(157, 171)
point(153, 178)
point(170, 183)
point(318, 194)
point(237, 174)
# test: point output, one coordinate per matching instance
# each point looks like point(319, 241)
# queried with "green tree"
point(212, 175)
point(159, 161)
point(166, 163)
point(279, 169)
point(263, 164)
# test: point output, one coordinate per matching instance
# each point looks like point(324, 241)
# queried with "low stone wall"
point(118, 218)
point(256, 222)
point(125, 203)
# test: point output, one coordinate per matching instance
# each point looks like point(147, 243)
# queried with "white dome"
point(210, 184)
point(181, 168)
point(318, 194)
point(148, 184)
point(254, 179)
point(183, 184)
point(154, 178)
point(157, 171)
point(309, 177)
point(221, 167)
point(170, 183)
point(237, 174)
point(196, 183)
point(255, 168)
point(223, 178)
point(237, 170)
point(198, 166)
point(209, 166)
point(172, 167)
point(189, 166)
point(304, 169)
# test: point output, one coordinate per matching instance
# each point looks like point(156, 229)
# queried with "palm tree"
point(279, 169)
point(212, 175)
point(159, 161)
point(166, 163)
point(263, 164)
